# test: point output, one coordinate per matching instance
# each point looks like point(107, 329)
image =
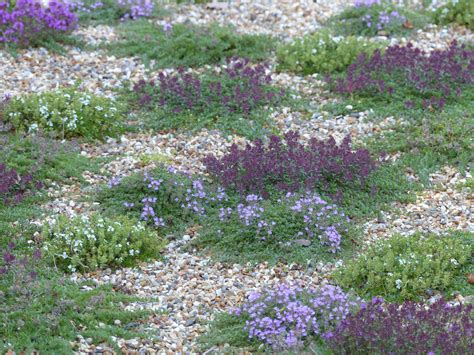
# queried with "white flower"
point(398, 283)
point(454, 262)
point(64, 255)
point(33, 127)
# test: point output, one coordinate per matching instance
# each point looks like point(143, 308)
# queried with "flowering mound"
point(422, 79)
point(289, 165)
point(28, 21)
point(239, 89)
point(284, 317)
point(113, 9)
point(410, 328)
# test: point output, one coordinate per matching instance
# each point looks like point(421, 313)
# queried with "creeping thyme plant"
point(372, 17)
point(87, 243)
point(110, 11)
point(409, 328)
point(322, 53)
point(28, 22)
point(409, 268)
point(284, 318)
point(67, 112)
point(456, 11)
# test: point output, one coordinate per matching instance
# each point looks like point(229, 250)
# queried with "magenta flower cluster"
point(239, 88)
point(29, 20)
point(410, 328)
point(289, 165)
point(284, 316)
point(433, 78)
point(13, 186)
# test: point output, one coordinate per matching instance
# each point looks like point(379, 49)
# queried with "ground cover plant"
point(410, 268)
point(322, 53)
point(410, 328)
point(111, 11)
point(410, 77)
point(42, 311)
point(372, 17)
point(456, 11)
point(338, 171)
point(28, 23)
point(436, 140)
point(186, 45)
point(88, 243)
point(292, 228)
point(285, 317)
point(233, 100)
point(66, 112)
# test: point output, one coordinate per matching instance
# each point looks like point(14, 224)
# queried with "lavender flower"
point(285, 316)
point(29, 20)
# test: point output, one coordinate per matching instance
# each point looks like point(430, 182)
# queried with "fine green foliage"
point(235, 99)
point(289, 229)
point(410, 268)
point(322, 53)
point(47, 313)
point(384, 18)
point(228, 329)
point(68, 112)
point(47, 159)
point(88, 243)
point(431, 141)
point(111, 12)
point(187, 45)
point(456, 11)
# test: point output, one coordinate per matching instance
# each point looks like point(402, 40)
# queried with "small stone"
point(303, 242)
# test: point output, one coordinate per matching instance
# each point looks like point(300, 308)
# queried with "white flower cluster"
point(76, 241)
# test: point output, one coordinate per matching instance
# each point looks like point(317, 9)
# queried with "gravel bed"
point(446, 206)
point(37, 70)
point(282, 18)
point(95, 35)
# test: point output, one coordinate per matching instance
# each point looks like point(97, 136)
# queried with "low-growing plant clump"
point(110, 11)
point(88, 243)
point(232, 100)
point(376, 17)
point(410, 328)
point(186, 45)
point(409, 268)
point(289, 165)
point(40, 310)
point(456, 11)
point(67, 112)
point(322, 53)
point(29, 23)
point(286, 318)
point(407, 76)
point(294, 227)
